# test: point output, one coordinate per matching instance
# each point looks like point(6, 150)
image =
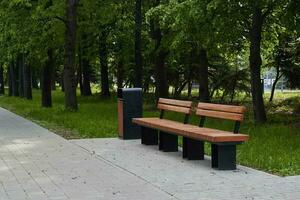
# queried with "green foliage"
point(30, 27)
point(286, 60)
point(187, 26)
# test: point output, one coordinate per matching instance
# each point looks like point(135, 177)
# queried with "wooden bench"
point(153, 135)
point(223, 143)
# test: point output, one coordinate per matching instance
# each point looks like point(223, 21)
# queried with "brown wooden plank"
point(174, 108)
point(220, 107)
point(218, 137)
point(120, 118)
point(174, 102)
point(191, 131)
point(220, 115)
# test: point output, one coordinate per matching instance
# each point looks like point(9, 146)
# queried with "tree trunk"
point(13, 79)
point(70, 81)
point(255, 66)
point(53, 79)
point(46, 80)
point(86, 77)
point(35, 82)
point(234, 85)
point(104, 64)
point(212, 92)
point(162, 89)
point(146, 87)
point(79, 71)
point(27, 82)
point(120, 73)
point(10, 81)
point(190, 84)
point(20, 65)
point(1, 80)
point(138, 44)
point(233, 91)
point(176, 85)
point(178, 91)
point(160, 54)
point(84, 71)
point(203, 77)
point(277, 78)
point(223, 96)
point(62, 84)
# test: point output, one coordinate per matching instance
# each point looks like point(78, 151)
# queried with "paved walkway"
point(191, 179)
point(37, 164)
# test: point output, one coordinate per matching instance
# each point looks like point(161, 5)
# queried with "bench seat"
point(191, 131)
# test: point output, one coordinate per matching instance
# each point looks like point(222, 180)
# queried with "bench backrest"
point(229, 112)
point(184, 107)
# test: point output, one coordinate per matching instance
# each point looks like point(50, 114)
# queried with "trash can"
point(130, 105)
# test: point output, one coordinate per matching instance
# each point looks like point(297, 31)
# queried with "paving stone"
point(191, 179)
point(36, 164)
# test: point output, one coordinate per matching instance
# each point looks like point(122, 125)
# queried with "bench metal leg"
point(161, 141)
point(149, 136)
point(168, 142)
point(184, 147)
point(223, 157)
point(214, 156)
point(192, 149)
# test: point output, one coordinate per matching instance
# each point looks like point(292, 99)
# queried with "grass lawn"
point(273, 147)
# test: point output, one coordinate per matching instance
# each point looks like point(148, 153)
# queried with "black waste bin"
point(130, 105)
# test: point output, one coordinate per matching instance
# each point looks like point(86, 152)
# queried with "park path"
point(192, 180)
point(37, 164)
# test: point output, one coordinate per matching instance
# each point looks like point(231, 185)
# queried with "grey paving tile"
point(37, 164)
point(190, 179)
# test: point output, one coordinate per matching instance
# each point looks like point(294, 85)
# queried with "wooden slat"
point(217, 137)
point(220, 115)
point(174, 102)
point(190, 131)
point(224, 108)
point(120, 119)
point(174, 108)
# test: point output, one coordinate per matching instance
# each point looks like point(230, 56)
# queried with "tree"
point(70, 82)
point(10, 80)
point(178, 44)
point(160, 54)
point(138, 44)
point(250, 19)
point(47, 39)
point(203, 78)
point(103, 55)
point(20, 66)
point(192, 26)
point(85, 72)
point(15, 27)
point(2, 91)
point(258, 18)
point(27, 82)
point(13, 77)
point(47, 70)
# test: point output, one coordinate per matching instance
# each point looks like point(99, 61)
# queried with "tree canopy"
point(163, 46)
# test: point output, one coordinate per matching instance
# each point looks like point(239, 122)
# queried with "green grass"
point(273, 147)
point(95, 118)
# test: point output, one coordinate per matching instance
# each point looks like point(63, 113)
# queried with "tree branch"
point(61, 19)
point(279, 77)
